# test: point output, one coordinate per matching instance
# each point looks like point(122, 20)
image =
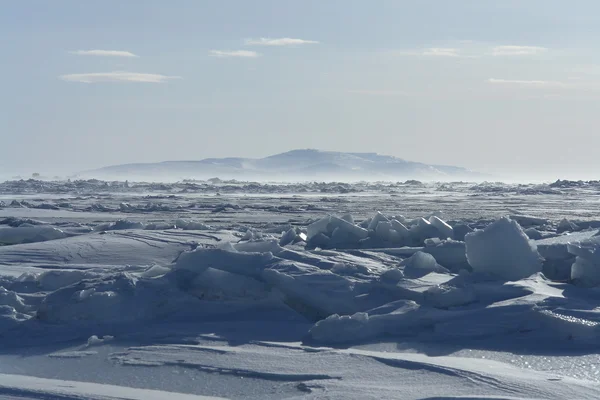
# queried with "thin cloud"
point(529, 83)
point(278, 42)
point(431, 52)
point(441, 52)
point(379, 92)
point(104, 53)
point(117, 76)
point(470, 49)
point(518, 50)
point(233, 53)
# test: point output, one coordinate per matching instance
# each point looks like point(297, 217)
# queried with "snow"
point(585, 271)
point(503, 250)
point(115, 298)
point(557, 258)
point(191, 225)
point(264, 292)
point(446, 296)
point(120, 224)
point(95, 340)
point(420, 264)
point(29, 234)
point(25, 387)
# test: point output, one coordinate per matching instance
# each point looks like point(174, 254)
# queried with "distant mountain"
point(293, 165)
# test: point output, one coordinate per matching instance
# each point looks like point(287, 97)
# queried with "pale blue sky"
point(509, 87)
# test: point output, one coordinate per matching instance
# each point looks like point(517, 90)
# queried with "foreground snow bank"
point(116, 298)
point(444, 286)
point(30, 234)
point(28, 387)
point(480, 310)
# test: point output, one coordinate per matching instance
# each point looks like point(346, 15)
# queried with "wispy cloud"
point(431, 52)
point(518, 50)
point(104, 53)
point(441, 52)
point(379, 92)
point(117, 76)
point(278, 42)
point(234, 53)
point(530, 83)
point(471, 49)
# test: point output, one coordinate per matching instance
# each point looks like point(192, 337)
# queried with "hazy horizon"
point(504, 88)
point(194, 170)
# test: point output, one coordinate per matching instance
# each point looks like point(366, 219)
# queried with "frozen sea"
point(315, 290)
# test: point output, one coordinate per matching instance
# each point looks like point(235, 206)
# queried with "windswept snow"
point(29, 234)
point(25, 387)
point(394, 291)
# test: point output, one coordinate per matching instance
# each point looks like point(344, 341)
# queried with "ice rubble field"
point(269, 291)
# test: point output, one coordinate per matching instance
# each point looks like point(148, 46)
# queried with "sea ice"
point(96, 341)
point(384, 231)
point(120, 224)
point(460, 231)
point(533, 233)
point(214, 284)
point(528, 220)
point(379, 217)
point(502, 249)
point(420, 264)
point(445, 296)
point(352, 230)
point(30, 234)
point(191, 225)
point(243, 263)
point(400, 228)
point(446, 230)
point(566, 226)
point(288, 237)
point(421, 230)
point(450, 254)
point(317, 227)
point(586, 268)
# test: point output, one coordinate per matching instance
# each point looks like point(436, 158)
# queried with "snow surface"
point(280, 291)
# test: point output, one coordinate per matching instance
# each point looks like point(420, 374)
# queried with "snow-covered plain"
point(268, 291)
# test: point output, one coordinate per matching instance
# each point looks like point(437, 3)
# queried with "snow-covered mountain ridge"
point(292, 165)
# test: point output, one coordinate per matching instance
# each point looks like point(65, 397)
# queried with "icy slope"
point(25, 387)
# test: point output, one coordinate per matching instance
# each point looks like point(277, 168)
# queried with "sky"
point(509, 87)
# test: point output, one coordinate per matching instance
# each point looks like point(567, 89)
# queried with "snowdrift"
point(29, 234)
point(383, 276)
